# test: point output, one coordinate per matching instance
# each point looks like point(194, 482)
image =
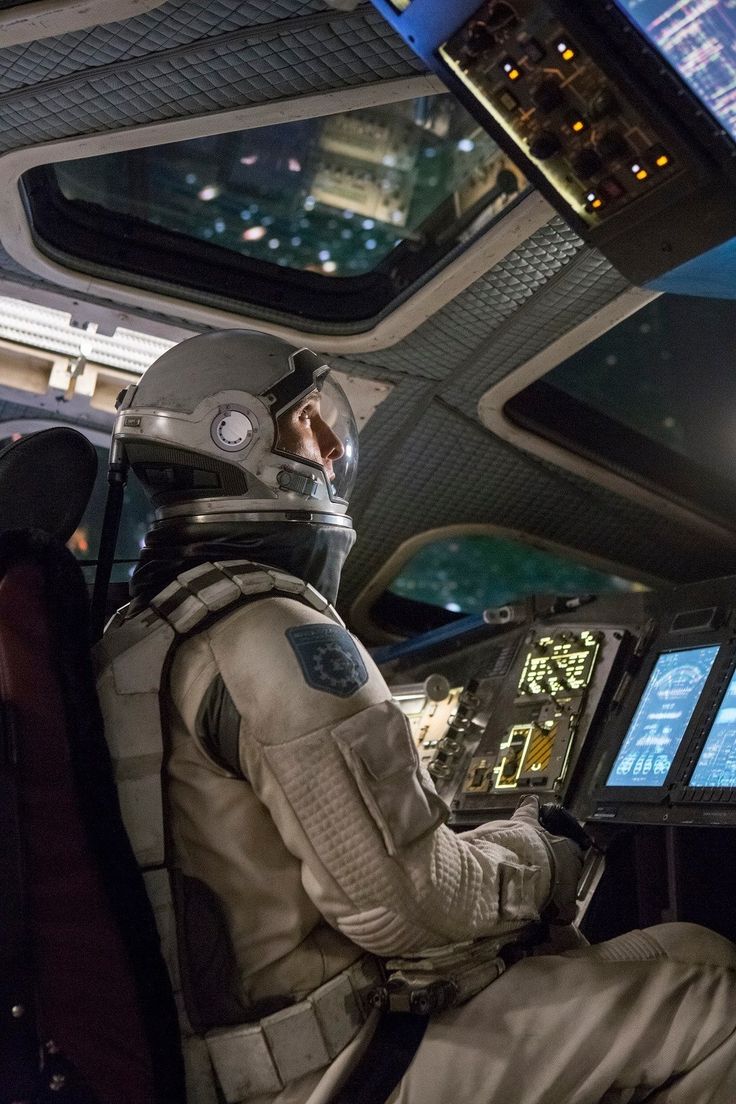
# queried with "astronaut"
point(304, 843)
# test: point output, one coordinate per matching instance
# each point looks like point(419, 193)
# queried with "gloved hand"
point(566, 860)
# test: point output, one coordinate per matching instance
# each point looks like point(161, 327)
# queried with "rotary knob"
point(544, 144)
point(437, 688)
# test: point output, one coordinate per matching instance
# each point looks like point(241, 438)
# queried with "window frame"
point(373, 633)
point(434, 290)
point(655, 497)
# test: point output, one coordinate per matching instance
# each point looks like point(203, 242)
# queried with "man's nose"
point(330, 445)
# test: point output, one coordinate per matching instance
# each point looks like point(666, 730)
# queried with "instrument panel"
point(624, 710)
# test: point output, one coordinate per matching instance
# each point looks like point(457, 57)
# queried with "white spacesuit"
point(304, 843)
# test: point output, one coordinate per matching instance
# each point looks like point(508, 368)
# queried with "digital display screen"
point(716, 765)
point(698, 39)
point(667, 704)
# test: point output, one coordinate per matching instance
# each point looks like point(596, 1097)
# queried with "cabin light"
point(309, 203)
point(389, 160)
point(245, 215)
point(368, 224)
point(324, 254)
point(371, 243)
point(249, 159)
point(210, 191)
point(254, 233)
point(273, 243)
point(330, 266)
point(466, 145)
point(190, 178)
point(296, 240)
point(220, 226)
point(294, 165)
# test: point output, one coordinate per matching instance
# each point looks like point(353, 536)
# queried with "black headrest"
point(46, 480)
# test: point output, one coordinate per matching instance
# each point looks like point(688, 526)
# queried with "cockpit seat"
point(82, 979)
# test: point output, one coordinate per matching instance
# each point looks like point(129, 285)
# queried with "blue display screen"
point(667, 704)
point(698, 39)
point(716, 765)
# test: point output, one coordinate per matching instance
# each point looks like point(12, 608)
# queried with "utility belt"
point(263, 1057)
point(447, 976)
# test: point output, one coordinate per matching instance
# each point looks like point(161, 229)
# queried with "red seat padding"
point(87, 1001)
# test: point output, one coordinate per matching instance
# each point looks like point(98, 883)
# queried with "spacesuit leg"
point(650, 1016)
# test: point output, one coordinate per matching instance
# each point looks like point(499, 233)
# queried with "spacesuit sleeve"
point(332, 758)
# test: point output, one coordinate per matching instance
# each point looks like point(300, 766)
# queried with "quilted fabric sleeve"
point(331, 757)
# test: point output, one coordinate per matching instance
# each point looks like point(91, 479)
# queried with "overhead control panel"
point(593, 114)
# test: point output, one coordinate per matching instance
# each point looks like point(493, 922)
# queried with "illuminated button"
point(565, 49)
point(545, 144)
point(659, 157)
point(547, 95)
point(507, 100)
point(511, 69)
point(611, 188)
point(586, 162)
point(611, 145)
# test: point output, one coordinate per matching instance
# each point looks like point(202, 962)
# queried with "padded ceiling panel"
point(168, 27)
point(328, 51)
point(439, 468)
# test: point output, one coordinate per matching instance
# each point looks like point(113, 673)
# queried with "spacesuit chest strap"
point(132, 658)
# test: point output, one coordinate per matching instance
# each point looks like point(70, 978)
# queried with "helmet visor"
point(319, 428)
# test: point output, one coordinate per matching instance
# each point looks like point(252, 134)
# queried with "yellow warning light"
point(568, 54)
point(514, 74)
point(642, 174)
point(578, 125)
point(596, 203)
point(662, 160)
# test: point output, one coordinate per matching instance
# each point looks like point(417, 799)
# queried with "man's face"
point(302, 431)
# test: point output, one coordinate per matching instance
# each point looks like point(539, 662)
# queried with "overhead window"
point(332, 218)
point(455, 575)
point(653, 399)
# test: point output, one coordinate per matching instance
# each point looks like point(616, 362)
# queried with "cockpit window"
point(462, 574)
point(331, 217)
point(653, 398)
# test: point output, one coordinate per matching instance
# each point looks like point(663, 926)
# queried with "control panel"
point(624, 710)
point(602, 113)
point(598, 150)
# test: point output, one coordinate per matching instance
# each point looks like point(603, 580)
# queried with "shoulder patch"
point(328, 658)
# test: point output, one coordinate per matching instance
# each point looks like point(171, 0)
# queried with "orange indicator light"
point(642, 174)
point(597, 203)
point(578, 125)
point(662, 160)
point(514, 74)
point(568, 54)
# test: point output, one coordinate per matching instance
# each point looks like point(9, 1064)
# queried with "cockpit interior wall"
point(427, 460)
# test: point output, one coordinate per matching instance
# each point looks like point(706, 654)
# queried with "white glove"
point(567, 864)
